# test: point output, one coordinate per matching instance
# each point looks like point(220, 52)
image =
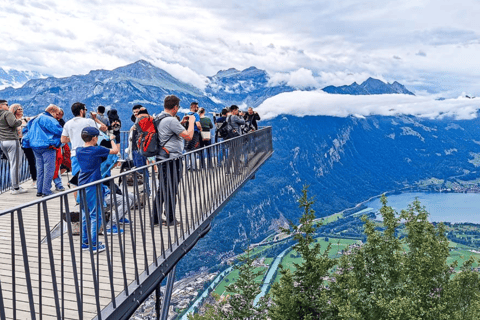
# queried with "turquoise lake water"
point(447, 207)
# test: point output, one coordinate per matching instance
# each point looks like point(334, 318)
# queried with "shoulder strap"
point(157, 121)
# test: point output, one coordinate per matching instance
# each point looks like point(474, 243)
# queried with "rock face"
point(369, 86)
point(344, 161)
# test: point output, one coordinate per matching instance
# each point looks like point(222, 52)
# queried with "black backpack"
point(227, 131)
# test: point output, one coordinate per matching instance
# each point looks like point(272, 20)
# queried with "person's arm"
point(210, 124)
point(64, 139)
point(188, 134)
point(239, 120)
point(102, 127)
point(115, 148)
point(199, 125)
point(12, 121)
point(257, 116)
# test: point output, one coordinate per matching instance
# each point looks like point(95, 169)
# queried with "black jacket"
point(252, 118)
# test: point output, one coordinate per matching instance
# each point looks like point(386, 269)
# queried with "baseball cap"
point(91, 131)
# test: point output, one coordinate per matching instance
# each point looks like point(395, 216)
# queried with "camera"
point(185, 121)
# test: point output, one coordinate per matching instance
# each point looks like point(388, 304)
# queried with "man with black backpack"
point(171, 135)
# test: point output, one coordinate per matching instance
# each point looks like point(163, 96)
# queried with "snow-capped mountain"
point(246, 88)
point(121, 88)
point(369, 86)
point(15, 78)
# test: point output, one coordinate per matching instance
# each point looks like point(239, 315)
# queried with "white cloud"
point(305, 103)
point(437, 41)
point(301, 78)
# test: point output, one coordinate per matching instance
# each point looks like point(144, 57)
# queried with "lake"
point(447, 207)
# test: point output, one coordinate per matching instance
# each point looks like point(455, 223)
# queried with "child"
point(89, 158)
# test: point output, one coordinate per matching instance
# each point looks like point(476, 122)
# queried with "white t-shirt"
point(73, 130)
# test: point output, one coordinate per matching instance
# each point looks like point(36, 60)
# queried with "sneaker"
point(60, 189)
point(39, 194)
point(20, 190)
point(124, 220)
point(96, 249)
point(33, 185)
point(114, 230)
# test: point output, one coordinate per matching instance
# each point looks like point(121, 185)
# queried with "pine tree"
point(302, 294)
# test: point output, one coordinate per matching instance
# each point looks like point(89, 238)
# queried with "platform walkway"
point(45, 274)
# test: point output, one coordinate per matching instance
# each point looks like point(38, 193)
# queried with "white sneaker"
point(33, 185)
point(18, 191)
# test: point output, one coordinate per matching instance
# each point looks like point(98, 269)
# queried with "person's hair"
point(14, 108)
point(52, 108)
point(60, 110)
point(233, 107)
point(170, 102)
point(101, 109)
point(76, 108)
point(137, 106)
point(201, 110)
point(143, 111)
point(87, 137)
point(250, 108)
point(3, 101)
point(194, 103)
point(224, 111)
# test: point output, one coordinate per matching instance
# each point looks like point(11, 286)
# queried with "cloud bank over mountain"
point(430, 46)
point(312, 103)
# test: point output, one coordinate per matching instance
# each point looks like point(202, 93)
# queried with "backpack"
point(148, 141)
point(227, 131)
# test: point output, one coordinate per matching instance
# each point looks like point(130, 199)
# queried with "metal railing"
point(5, 178)
point(45, 271)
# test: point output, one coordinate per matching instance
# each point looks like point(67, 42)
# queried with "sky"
point(432, 47)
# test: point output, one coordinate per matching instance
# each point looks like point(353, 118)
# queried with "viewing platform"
point(45, 273)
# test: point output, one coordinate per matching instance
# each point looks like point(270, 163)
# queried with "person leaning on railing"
point(171, 135)
point(10, 144)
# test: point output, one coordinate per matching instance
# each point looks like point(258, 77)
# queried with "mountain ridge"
point(368, 87)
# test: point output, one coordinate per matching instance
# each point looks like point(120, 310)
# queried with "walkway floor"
point(142, 247)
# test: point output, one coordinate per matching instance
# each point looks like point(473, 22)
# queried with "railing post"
point(168, 293)
point(158, 301)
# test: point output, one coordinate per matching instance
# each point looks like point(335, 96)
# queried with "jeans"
point(140, 161)
point(58, 182)
point(45, 159)
point(95, 212)
point(205, 153)
point(122, 207)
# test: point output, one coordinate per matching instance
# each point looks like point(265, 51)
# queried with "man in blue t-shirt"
point(89, 158)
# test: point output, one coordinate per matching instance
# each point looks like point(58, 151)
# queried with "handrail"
point(44, 271)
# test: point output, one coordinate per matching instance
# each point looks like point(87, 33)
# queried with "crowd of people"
point(83, 145)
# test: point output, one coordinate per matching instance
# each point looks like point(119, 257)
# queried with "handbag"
point(205, 135)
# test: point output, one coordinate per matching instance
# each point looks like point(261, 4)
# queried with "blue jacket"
point(44, 132)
